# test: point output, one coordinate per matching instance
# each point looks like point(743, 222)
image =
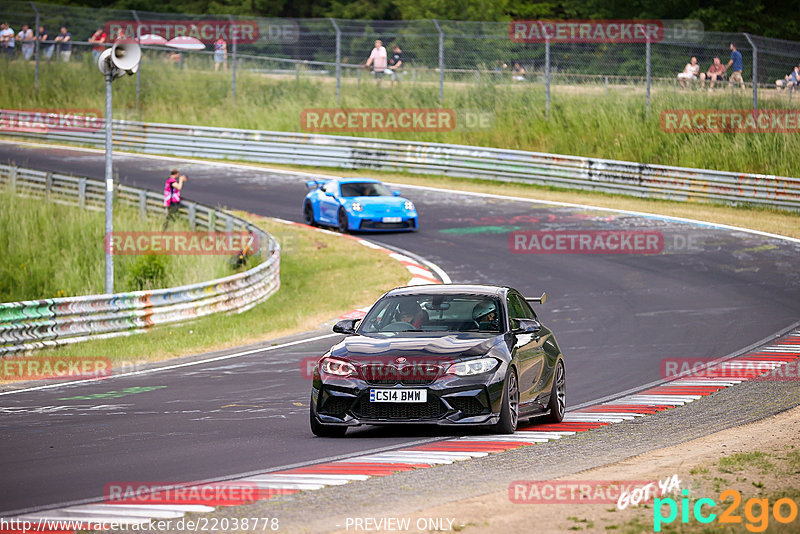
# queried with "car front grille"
point(380, 225)
point(411, 374)
point(431, 409)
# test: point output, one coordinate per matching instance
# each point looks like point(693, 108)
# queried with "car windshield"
point(433, 313)
point(364, 189)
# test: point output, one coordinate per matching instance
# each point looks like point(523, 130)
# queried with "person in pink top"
point(172, 195)
point(379, 60)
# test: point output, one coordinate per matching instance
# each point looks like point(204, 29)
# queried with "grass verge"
point(321, 276)
point(585, 120)
point(51, 250)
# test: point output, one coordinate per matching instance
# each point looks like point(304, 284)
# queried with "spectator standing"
point(7, 40)
point(64, 40)
point(27, 41)
point(396, 62)
point(46, 49)
point(172, 195)
point(736, 65)
point(690, 72)
point(716, 72)
point(791, 80)
point(220, 54)
point(378, 60)
point(98, 38)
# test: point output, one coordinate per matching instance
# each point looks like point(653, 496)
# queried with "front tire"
point(323, 430)
point(509, 411)
point(558, 396)
point(308, 214)
point(343, 225)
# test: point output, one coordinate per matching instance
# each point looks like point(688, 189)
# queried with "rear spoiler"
point(537, 300)
point(315, 184)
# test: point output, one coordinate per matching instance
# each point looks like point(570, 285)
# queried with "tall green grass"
point(51, 250)
point(586, 120)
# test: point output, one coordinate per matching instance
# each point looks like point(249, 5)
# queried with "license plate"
point(392, 219)
point(398, 395)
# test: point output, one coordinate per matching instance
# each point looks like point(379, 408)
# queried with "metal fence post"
point(234, 34)
point(441, 60)
point(82, 193)
point(36, 52)
point(755, 75)
point(192, 216)
point(48, 185)
point(12, 179)
point(143, 205)
point(547, 76)
point(138, 42)
point(647, 53)
point(338, 59)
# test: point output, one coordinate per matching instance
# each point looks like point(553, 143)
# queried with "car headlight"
point(335, 367)
point(473, 367)
point(356, 206)
point(409, 206)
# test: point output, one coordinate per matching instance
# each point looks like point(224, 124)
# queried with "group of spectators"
point(382, 64)
point(27, 41)
point(717, 72)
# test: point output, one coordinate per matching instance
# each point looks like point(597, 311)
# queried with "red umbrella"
point(186, 43)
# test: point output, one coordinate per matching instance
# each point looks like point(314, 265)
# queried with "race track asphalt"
point(708, 293)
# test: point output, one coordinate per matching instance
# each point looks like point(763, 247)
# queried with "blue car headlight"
point(356, 206)
point(409, 206)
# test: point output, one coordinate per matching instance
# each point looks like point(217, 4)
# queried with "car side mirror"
point(526, 326)
point(346, 326)
point(330, 193)
point(396, 193)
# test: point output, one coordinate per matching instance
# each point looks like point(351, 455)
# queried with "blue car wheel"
point(308, 214)
point(344, 226)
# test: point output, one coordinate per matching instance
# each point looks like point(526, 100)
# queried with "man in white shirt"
point(26, 39)
point(7, 39)
point(379, 60)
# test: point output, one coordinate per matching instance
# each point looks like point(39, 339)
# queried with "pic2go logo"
point(756, 511)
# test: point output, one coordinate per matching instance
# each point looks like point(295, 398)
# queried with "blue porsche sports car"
point(358, 204)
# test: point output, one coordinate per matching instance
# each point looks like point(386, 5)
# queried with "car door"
point(329, 203)
point(529, 349)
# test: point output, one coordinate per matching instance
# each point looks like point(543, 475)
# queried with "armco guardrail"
point(652, 181)
point(40, 323)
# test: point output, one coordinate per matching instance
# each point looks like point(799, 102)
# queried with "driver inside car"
point(410, 312)
point(485, 315)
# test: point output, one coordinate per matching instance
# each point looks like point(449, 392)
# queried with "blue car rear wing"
point(315, 184)
point(537, 300)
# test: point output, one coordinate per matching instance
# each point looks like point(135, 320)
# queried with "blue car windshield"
point(364, 189)
point(433, 313)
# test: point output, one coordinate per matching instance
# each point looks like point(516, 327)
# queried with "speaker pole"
point(109, 190)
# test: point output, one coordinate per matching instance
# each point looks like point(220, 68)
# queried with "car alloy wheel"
point(509, 410)
point(558, 396)
point(343, 227)
point(308, 214)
